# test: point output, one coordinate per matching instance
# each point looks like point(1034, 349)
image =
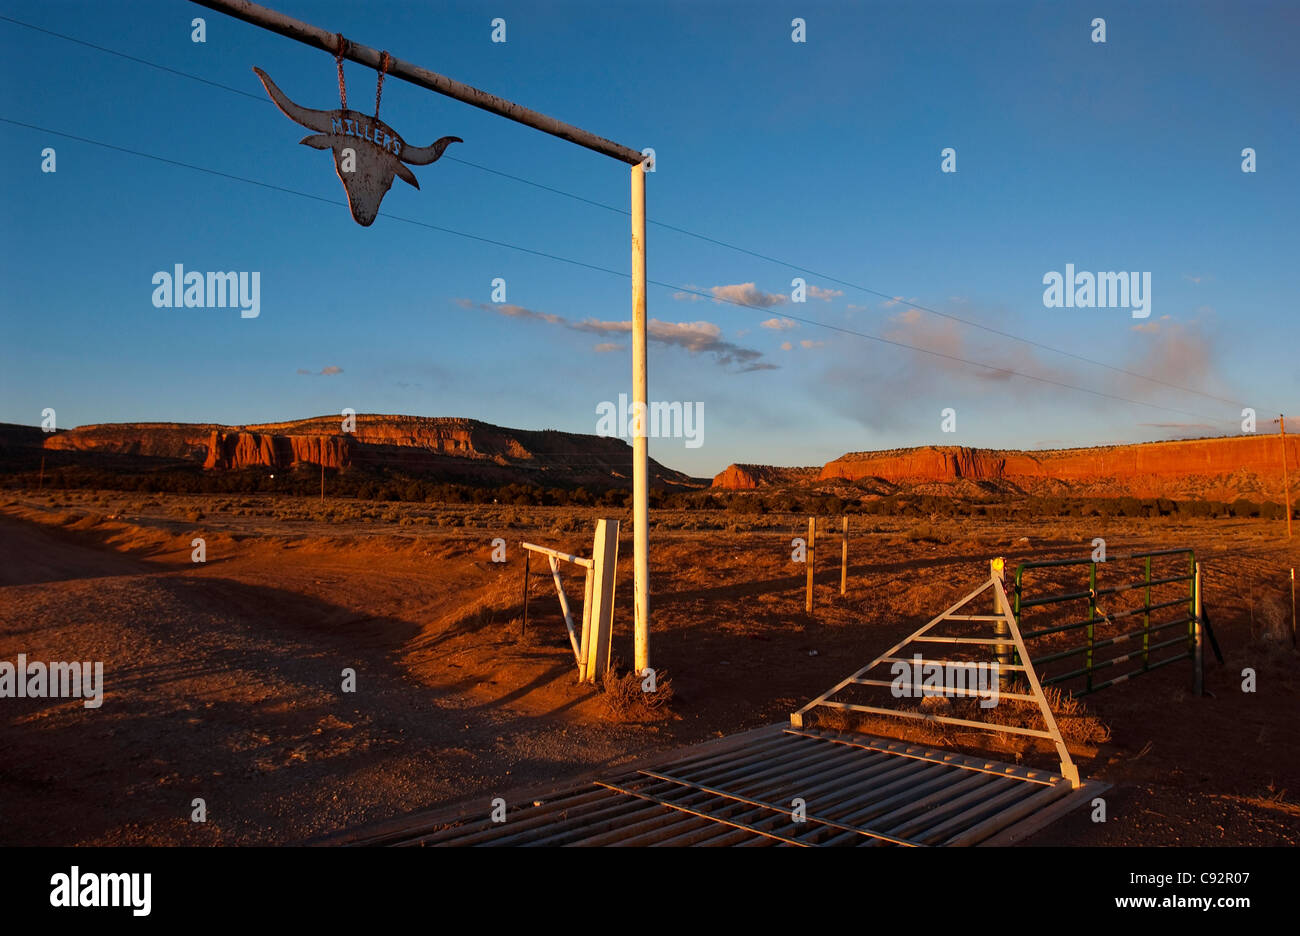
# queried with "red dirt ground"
point(223, 679)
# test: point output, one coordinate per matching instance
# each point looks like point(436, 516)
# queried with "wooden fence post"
point(604, 552)
point(844, 560)
point(1293, 606)
point(1198, 678)
point(527, 556)
point(811, 559)
point(1001, 652)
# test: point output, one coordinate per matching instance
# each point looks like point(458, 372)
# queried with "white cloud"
point(511, 311)
point(824, 294)
point(747, 294)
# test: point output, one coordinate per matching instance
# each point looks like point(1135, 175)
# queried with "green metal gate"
point(1057, 601)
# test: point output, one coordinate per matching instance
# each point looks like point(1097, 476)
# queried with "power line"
point(950, 357)
point(591, 266)
point(680, 230)
point(827, 277)
point(132, 58)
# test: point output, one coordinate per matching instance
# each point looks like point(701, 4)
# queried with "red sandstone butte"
point(1148, 469)
point(1220, 469)
point(748, 477)
point(462, 448)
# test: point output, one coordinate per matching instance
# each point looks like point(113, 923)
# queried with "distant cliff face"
point(1221, 469)
point(748, 477)
point(460, 449)
point(248, 449)
point(151, 440)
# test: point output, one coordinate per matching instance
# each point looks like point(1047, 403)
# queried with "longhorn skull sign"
point(377, 152)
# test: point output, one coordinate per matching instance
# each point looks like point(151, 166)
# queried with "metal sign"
point(367, 152)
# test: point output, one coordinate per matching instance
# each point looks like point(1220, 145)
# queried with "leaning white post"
point(604, 554)
point(640, 442)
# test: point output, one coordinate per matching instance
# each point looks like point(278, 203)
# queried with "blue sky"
point(824, 154)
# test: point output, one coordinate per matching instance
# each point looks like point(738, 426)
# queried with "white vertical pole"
point(1293, 631)
point(844, 559)
point(810, 559)
point(1286, 480)
point(1001, 652)
point(1198, 661)
point(640, 444)
point(585, 644)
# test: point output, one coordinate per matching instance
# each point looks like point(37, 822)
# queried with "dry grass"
point(1079, 727)
point(928, 533)
point(626, 701)
point(1272, 618)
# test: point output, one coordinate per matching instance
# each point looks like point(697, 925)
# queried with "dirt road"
point(224, 679)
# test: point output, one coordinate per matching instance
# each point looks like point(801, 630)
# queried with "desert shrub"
point(927, 533)
point(1274, 617)
point(1195, 509)
point(830, 505)
point(784, 502)
point(1242, 507)
point(615, 498)
point(1078, 725)
point(1272, 511)
point(1128, 507)
point(625, 701)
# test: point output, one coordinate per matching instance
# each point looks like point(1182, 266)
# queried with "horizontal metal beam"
point(556, 554)
point(946, 692)
point(776, 807)
point(364, 55)
point(1130, 586)
point(942, 719)
point(932, 755)
point(1146, 669)
point(1055, 563)
point(703, 815)
point(965, 640)
point(1115, 616)
point(926, 662)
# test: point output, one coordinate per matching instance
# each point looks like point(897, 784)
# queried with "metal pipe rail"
point(555, 553)
point(555, 557)
point(1044, 631)
point(308, 34)
point(1109, 641)
point(1098, 617)
point(341, 47)
point(960, 611)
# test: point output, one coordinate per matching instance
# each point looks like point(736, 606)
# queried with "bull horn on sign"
point(317, 120)
point(423, 155)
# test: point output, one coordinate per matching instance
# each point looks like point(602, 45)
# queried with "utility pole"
point(340, 48)
point(640, 441)
point(1286, 482)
